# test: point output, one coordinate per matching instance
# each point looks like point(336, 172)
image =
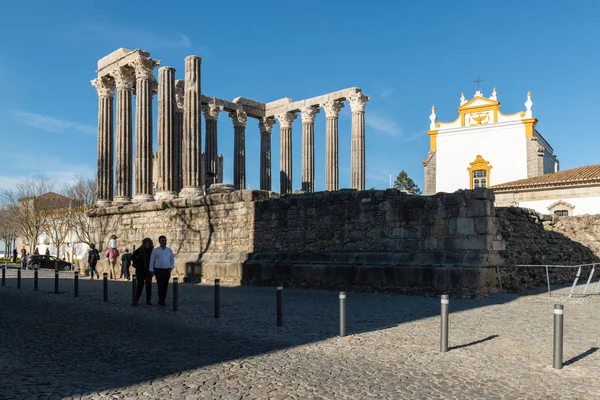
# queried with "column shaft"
point(332, 172)
point(105, 88)
point(285, 161)
point(166, 133)
point(358, 150)
point(191, 129)
point(265, 126)
point(124, 146)
point(211, 117)
point(239, 161)
point(178, 129)
point(285, 152)
point(358, 103)
point(143, 140)
point(308, 148)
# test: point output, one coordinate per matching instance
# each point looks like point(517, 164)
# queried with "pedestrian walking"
point(47, 251)
point(36, 251)
point(113, 255)
point(93, 257)
point(141, 262)
point(15, 255)
point(162, 263)
point(125, 264)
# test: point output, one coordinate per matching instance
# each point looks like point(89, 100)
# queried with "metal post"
point(19, 278)
point(217, 298)
point(575, 282)
point(4, 276)
point(35, 279)
point(55, 282)
point(134, 299)
point(342, 314)
point(175, 294)
point(445, 301)
point(557, 361)
point(548, 280)
point(589, 279)
point(279, 305)
point(76, 284)
point(105, 278)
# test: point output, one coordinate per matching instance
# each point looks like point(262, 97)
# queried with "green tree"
point(404, 183)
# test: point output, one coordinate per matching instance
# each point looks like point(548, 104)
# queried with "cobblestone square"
point(61, 347)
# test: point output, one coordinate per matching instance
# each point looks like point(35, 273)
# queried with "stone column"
point(106, 93)
point(178, 131)
point(166, 133)
point(265, 126)
point(125, 81)
point(308, 148)
point(211, 116)
point(332, 168)
point(191, 129)
point(358, 103)
point(144, 90)
point(239, 119)
point(220, 169)
point(285, 152)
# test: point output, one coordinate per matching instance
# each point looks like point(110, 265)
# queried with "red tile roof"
point(585, 174)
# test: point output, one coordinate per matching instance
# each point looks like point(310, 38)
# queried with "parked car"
point(49, 262)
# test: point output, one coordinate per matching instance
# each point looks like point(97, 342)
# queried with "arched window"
point(479, 173)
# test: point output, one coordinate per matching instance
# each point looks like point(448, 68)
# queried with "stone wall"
point(533, 239)
point(363, 239)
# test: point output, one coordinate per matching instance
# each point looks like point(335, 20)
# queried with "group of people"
point(147, 260)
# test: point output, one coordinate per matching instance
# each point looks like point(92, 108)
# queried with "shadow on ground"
point(56, 345)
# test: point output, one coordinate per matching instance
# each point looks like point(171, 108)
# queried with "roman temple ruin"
point(183, 169)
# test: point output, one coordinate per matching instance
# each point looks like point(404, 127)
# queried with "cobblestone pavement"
point(58, 346)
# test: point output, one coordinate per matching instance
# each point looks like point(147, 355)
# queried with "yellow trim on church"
point(478, 165)
point(529, 126)
point(432, 140)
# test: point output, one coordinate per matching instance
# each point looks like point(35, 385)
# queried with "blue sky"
point(406, 55)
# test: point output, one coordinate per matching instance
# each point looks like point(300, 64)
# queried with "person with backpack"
point(125, 264)
point(93, 257)
point(141, 261)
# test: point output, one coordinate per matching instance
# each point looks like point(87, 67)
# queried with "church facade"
point(484, 147)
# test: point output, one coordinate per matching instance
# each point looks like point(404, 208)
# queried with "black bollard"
point(133, 291)
point(19, 278)
point(175, 294)
point(76, 284)
point(342, 314)
point(444, 328)
point(217, 298)
point(4, 276)
point(105, 278)
point(35, 279)
point(279, 305)
point(55, 282)
point(557, 361)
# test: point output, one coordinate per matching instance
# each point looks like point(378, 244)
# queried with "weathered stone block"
point(461, 226)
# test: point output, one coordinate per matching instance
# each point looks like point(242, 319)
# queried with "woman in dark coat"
point(93, 257)
point(141, 263)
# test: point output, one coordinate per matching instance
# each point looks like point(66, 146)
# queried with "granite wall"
point(361, 240)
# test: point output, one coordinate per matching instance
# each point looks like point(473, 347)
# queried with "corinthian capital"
point(144, 68)
point(286, 119)
point(105, 86)
point(211, 112)
point(124, 78)
point(239, 118)
point(308, 114)
point(358, 102)
point(179, 93)
point(332, 108)
point(266, 124)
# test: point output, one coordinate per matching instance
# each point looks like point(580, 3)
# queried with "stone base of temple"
point(142, 198)
point(165, 196)
point(120, 201)
point(190, 192)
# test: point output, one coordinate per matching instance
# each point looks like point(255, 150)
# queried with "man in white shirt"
point(162, 261)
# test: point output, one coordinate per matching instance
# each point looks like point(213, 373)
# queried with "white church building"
point(483, 147)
